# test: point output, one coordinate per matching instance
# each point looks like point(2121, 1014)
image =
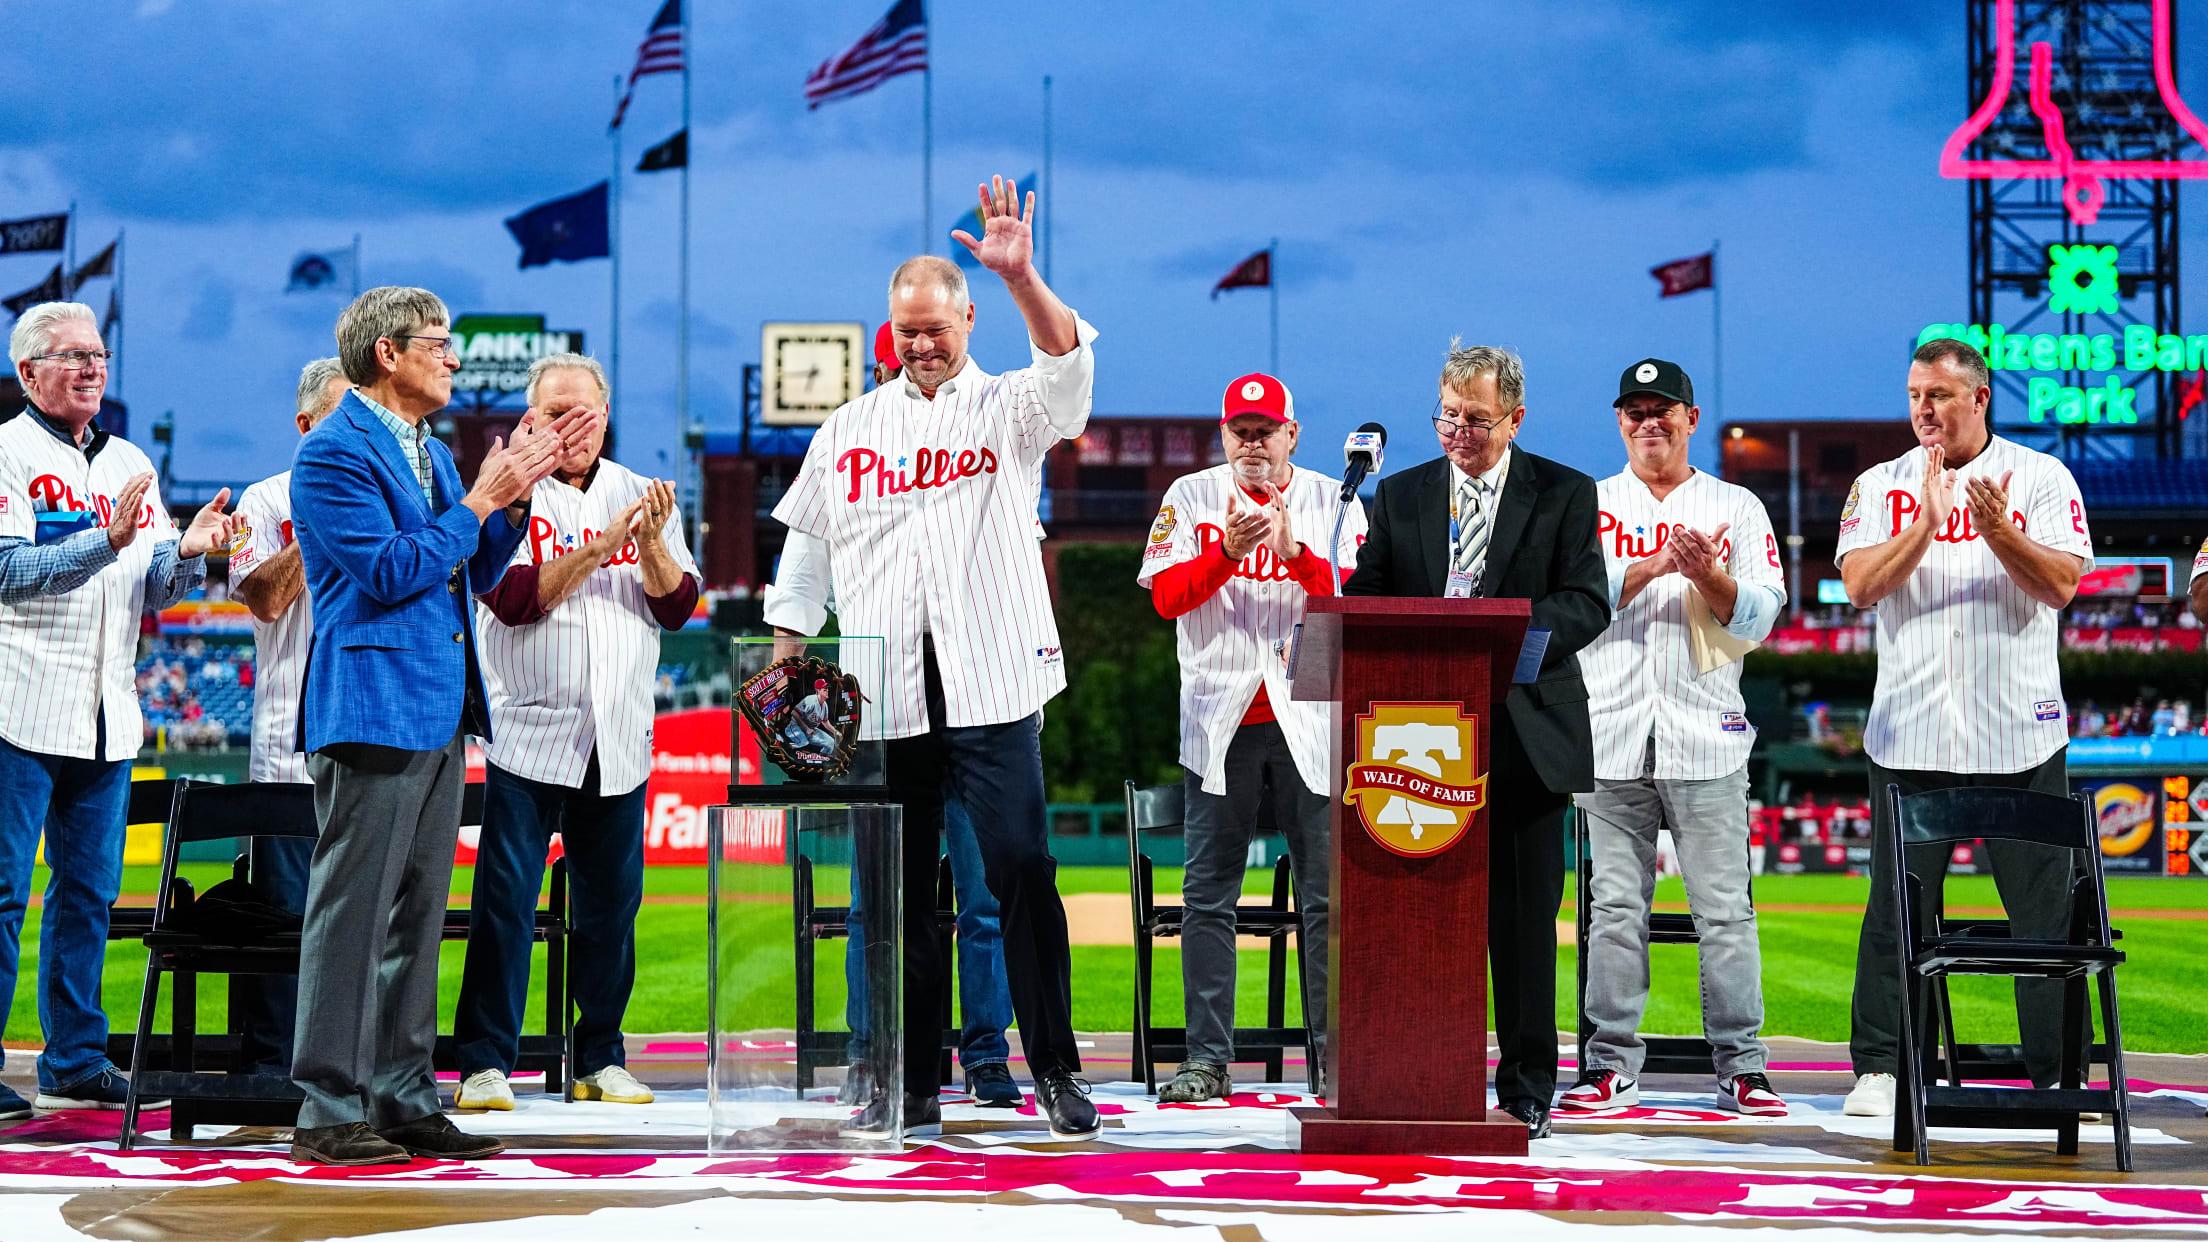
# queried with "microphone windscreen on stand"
point(1361, 455)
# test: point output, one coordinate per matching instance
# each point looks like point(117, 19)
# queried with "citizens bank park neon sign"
point(2081, 279)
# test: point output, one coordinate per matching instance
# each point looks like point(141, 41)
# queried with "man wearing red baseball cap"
point(1224, 562)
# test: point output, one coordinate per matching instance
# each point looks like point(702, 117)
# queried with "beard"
point(1251, 471)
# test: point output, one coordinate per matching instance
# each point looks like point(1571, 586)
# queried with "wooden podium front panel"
point(1407, 985)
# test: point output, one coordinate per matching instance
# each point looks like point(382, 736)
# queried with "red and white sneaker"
point(1603, 1089)
point(1750, 1094)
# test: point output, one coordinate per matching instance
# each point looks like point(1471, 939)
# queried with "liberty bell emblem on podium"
point(2081, 118)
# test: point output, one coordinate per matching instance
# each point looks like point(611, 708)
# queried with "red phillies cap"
point(1258, 393)
point(885, 348)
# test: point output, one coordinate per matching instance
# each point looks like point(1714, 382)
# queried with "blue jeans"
point(984, 999)
point(603, 838)
point(80, 805)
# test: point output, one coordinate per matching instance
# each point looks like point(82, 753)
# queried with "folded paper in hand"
point(1713, 647)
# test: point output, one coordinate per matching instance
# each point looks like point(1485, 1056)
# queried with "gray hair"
point(313, 379)
point(571, 362)
point(1468, 362)
point(935, 270)
point(381, 314)
point(1962, 354)
point(34, 332)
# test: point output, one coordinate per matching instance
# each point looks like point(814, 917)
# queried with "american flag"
point(897, 44)
point(660, 52)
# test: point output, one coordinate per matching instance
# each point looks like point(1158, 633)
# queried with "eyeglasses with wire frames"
point(77, 359)
point(440, 344)
point(1463, 429)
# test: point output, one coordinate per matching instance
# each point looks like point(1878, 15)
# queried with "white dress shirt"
point(927, 511)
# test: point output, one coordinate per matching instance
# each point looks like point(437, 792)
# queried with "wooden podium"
point(1407, 958)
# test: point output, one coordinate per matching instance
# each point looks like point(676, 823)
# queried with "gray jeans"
point(1709, 825)
point(1218, 829)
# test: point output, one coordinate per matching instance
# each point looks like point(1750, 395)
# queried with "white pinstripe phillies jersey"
point(1641, 673)
point(280, 646)
point(74, 654)
point(1967, 677)
point(581, 675)
point(927, 509)
point(1227, 644)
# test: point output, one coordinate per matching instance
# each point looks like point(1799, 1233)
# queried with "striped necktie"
point(1470, 556)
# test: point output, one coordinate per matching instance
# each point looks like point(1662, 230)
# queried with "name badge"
point(1460, 585)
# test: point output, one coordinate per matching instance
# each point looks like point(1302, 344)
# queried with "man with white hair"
point(570, 641)
point(922, 493)
point(1231, 560)
point(85, 547)
point(265, 575)
point(392, 544)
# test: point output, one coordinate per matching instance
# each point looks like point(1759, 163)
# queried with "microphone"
point(1362, 454)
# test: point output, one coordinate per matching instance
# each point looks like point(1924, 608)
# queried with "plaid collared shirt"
point(413, 441)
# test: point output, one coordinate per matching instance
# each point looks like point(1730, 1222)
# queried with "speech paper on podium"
point(1712, 646)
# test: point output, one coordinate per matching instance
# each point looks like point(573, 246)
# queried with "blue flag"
point(971, 222)
point(567, 229)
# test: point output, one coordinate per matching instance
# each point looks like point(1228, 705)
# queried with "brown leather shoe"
point(349, 1143)
point(435, 1138)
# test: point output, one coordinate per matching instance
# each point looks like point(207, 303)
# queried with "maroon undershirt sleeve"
point(514, 600)
point(673, 609)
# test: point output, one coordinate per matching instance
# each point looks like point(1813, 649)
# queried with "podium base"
point(1323, 1132)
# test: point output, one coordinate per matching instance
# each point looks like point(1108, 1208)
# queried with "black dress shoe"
point(923, 1116)
point(350, 1143)
point(1064, 1100)
point(1534, 1113)
point(435, 1138)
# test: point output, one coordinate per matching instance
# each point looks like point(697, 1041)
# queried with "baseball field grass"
point(1809, 926)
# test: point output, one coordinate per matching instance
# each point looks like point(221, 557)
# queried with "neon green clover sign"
point(2081, 280)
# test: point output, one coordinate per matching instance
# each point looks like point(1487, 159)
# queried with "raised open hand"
point(1939, 487)
point(1988, 501)
point(122, 523)
point(211, 528)
point(1007, 244)
point(1280, 536)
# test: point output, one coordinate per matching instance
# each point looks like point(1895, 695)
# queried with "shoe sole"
point(1630, 1099)
point(56, 1104)
point(18, 1114)
point(1057, 1133)
point(1746, 1111)
point(593, 1093)
point(1850, 1110)
point(492, 1106)
point(307, 1155)
point(421, 1153)
point(1015, 1102)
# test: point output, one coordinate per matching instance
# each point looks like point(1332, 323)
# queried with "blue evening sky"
point(1507, 173)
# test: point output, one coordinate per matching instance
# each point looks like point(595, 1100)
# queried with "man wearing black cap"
point(1491, 520)
point(1689, 556)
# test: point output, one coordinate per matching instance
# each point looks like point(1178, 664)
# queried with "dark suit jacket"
point(1544, 549)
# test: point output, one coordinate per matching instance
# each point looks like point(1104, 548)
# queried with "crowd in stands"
point(196, 696)
point(2167, 718)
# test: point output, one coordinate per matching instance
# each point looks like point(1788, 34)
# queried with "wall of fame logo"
point(1413, 781)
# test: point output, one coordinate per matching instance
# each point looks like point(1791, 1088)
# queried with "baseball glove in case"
point(805, 711)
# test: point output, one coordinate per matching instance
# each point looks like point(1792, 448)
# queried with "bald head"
point(931, 275)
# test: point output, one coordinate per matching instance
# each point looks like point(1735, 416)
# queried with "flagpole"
point(682, 335)
point(927, 157)
point(1049, 200)
point(356, 265)
point(69, 269)
point(1717, 339)
point(1272, 291)
point(115, 298)
point(613, 332)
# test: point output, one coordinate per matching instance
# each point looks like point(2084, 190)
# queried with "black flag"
point(35, 233)
point(673, 153)
point(47, 290)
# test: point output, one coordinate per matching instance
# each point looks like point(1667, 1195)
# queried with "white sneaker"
point(1873, 1096)
point(485, 1089)
point(613, 1084)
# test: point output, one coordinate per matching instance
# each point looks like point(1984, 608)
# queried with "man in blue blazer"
point(393, 548)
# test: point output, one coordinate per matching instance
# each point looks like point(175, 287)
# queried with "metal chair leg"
point(2119, 1087)
point(146, 1002)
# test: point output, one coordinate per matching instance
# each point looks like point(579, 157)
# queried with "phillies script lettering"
point(544, 540)
point(1413, 785)
point(1901, 510)
point(930, 468)
point(51, 495)
point(1639, 543)
point(1260, 565)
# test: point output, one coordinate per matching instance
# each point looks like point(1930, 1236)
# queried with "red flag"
point(1255, 272)
point(1686, 275)
point(2191, 392)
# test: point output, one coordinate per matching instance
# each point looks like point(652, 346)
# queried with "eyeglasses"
point(78, 359)
point(443, 344)
point(1468, 429)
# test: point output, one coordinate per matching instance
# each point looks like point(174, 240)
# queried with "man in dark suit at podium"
point(1492, 521)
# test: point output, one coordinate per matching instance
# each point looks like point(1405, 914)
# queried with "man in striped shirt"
point(1969, 546)
point(924, 494)
point(1672, 741)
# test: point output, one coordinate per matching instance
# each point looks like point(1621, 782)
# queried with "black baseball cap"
point(1655, 375)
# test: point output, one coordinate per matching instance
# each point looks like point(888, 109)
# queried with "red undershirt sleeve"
point(1309, 569)
point(1178, 589)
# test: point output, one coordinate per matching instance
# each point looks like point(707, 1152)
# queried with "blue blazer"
point(392, 660)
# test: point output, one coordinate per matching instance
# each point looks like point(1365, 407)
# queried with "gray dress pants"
point(376, 896)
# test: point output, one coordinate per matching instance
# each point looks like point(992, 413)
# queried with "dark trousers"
point(2034, 882)
point(603, 839)
point(996, 772)
point(1525, 885)
point(265, 1008)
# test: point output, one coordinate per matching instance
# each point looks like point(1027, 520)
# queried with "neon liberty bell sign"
point(2081, 279)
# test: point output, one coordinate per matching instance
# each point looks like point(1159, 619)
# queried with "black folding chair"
point(1934, 948)
point(206, 812)
point(554, 1050)
point(1665, 1054)
point(150, 803)
point(1162, 809)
